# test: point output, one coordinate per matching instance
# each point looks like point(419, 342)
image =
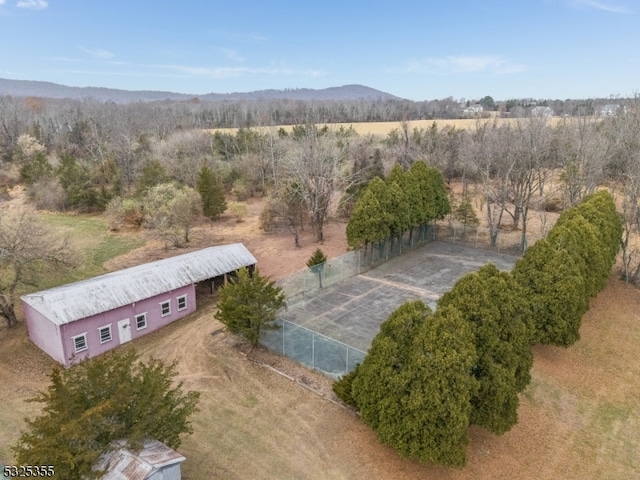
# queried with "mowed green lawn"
point(90, 239)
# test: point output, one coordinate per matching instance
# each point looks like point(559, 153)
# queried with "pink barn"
point(92, 316)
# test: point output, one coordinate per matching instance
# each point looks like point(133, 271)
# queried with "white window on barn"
point(141, 321)
point(80, 343)
point(182, 302)
point(105, 334)
point(165, 308)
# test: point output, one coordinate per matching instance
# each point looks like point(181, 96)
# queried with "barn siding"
point(155, 321)
point(57, 315)
point(45, 334)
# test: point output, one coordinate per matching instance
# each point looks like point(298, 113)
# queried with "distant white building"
point(612, 110)
point(473, 110)
point(542, 112)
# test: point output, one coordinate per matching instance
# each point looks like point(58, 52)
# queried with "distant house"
point(612, 110)
point(90, 317)
point(541, 111)
point(155, 461)
point(473, 110)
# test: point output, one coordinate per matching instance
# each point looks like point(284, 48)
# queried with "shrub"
point(238, 210)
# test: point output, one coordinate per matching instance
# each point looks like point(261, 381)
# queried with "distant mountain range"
point(28, 88)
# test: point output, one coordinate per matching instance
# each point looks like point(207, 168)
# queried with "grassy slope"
point(95, 245)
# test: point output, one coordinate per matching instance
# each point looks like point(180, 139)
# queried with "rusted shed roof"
point(93, 296)
point(123, 464)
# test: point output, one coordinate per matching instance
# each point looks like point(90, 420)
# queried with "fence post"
point(346, 365)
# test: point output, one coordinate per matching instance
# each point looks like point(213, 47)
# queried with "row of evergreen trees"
point(404, 200)
point(561, 273)
point(428, 376)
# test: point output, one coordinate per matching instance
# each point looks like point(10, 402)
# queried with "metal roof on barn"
point(74, 301)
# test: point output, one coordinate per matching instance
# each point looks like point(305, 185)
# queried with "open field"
point(383, 128)
point(579, 418)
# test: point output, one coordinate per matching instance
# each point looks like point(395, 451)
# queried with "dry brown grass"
point(382, 129)
point(579, 418)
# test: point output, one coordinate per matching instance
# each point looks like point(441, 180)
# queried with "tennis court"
point(352, 311)
point(343, 319)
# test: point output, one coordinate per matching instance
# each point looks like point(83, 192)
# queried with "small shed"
point(90, 317)
point(155, 461)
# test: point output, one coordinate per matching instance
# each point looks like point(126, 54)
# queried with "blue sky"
point(420, 50)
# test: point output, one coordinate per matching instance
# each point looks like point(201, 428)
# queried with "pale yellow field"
point(383, 128)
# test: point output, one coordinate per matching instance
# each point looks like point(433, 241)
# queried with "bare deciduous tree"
point(317, 164)
point(583, 153)
point(532, 139)
point(27, 249)
point(493, 169)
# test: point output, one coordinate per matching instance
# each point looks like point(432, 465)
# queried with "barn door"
point(124, 330)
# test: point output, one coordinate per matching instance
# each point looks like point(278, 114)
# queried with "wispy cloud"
point(2, 2)
point(65, 59)
point(244, 37)
point(604, 6)
point(98, 53)
point(465, 64)
point(32, 4)
point(231, 54)
point(231, 72)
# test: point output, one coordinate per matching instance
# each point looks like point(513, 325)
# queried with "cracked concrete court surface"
point(352, 311)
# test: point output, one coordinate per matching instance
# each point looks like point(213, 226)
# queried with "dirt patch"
point(275, 251)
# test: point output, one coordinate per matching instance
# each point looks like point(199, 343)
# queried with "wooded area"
point(156, 166)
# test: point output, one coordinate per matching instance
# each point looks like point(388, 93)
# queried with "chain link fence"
point(316, 351)
point(513, 242)
point(332, 357)
point(307, 282)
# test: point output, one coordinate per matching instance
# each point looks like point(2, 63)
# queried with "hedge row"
point(561, 273)
point(427, 377)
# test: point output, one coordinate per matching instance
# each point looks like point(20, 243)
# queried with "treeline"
point(81, 155)
point(429, 375)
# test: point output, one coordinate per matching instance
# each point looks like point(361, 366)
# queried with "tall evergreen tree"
point(582, 241)
point(434, 424)
point(420, 173)
point(368, 223)
point(495, 306)
point(414, 386)
point(393, 205)
point(441, 199)
point(380, 382)
point(554, 288)
point(407, 183)
point(213, 201)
